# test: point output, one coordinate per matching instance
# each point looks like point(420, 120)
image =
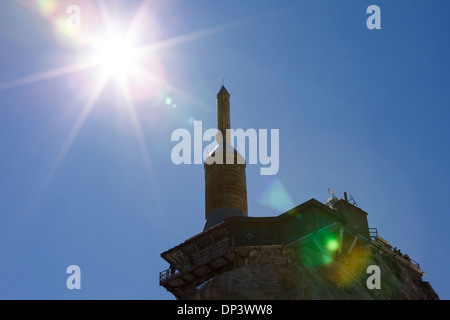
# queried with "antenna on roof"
point(331, 201)
point(331, 192)
point(354, 201)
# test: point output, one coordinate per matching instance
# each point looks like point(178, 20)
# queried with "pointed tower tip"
point(223, 90)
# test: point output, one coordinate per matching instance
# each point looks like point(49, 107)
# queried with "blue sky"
point(359, 111)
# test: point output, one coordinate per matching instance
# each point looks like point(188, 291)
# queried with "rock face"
point(275, 272)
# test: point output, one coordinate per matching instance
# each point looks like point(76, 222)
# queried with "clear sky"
point(86, 176)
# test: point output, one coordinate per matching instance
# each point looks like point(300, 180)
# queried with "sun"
point(110, 49)
point(116, 56)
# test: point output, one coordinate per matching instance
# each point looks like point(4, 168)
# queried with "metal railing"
point(388, 248)
point(373, 232)
point(167, 274)
point(199, 259)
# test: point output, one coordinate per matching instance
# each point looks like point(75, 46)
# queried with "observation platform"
point(215, 250)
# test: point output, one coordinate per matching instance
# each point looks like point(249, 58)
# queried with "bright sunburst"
point(115, 55)
point(112, 54)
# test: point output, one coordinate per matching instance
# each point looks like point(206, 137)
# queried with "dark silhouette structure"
point(312, 236)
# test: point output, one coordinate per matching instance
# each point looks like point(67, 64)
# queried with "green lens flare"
point(332, 245)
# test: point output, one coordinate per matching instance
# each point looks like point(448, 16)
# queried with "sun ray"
point(47, 75)
point(140, 14)
point(104, 16)
point(129, 102)
point(169, 86)
point(188, 37)
point(174, 41)
point(140, 139)
point(90, 103)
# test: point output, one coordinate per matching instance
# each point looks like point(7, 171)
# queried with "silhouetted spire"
point(223, 112)
point(225, 180)
point(223, 90)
